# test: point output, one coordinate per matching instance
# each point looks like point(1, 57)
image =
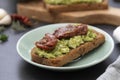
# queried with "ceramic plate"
point(26, 43)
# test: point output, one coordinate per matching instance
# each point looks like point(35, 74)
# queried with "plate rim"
point(64, 68)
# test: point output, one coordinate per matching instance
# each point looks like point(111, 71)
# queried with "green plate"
point(26, 43)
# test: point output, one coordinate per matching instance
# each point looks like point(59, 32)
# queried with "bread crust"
point(77, 7)
point(73, 54)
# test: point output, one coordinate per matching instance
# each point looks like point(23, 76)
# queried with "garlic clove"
point(116, 34)
point(3, 13)
point(6, 20)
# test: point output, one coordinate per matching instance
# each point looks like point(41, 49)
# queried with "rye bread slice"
point(77, 7)
point(73, 54)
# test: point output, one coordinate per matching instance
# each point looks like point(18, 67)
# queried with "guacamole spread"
point(67, 2)
point(65, 45)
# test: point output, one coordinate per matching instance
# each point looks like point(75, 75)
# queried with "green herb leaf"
point(17, 26)
point(3, 37)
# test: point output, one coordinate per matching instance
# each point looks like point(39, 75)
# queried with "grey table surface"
point(13, 67)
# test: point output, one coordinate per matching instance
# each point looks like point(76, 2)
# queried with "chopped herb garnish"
point(3, 37)
point(17, 26)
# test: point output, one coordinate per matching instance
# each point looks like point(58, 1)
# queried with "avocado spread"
point(67, 2)
point(65, 45)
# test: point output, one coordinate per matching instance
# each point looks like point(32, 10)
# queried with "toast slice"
point(73, 54)
point(77, 7)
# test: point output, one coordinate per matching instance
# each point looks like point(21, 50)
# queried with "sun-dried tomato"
point(25, 20)
point(48, 42)
point(70, 31)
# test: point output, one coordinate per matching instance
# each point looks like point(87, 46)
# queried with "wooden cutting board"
point(36, 10)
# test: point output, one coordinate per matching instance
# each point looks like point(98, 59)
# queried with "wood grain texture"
point(36, 10)
point(110, 16)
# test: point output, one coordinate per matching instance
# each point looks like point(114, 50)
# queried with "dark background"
point(13, 67)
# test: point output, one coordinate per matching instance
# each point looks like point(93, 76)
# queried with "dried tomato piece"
point(70, 31)
point(25, 20)
point(47, 43)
